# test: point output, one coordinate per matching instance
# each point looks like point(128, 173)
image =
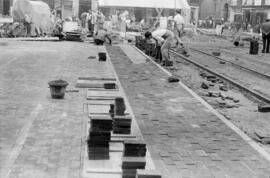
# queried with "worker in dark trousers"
point(165, 39)
point(100, 36)
point(266, 36)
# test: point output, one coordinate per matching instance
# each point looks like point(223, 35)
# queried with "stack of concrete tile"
point(102, 56)
point(119, 106)
point(142, 173)
point(131, 164)
point(134, 148)
point(101, 123)
point(122, 124)
point(98, 145)
point(99, 137)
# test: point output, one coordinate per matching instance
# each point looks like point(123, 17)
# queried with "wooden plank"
point(89, 84)
point(97, 93)
point(101, 98)
point(98, 108)
point(108, 102)
point(97, 78)
point(103, 89)
point(133, 54)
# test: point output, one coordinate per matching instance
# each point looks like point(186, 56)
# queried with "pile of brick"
point(134, 157)
point(99, 138)
point(131, 164)
point(121, 124)
point(121, 121)
point(135, 148)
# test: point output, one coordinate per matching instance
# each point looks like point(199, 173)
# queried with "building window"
point(6, 7)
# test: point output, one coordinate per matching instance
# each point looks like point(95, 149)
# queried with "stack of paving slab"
point(134, 148)
point(121, 121)
point(99, 137)
point(130, 166)
point(101, 123)
point(122, 124)
point(134, 157)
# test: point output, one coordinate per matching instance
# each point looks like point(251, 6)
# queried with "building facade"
point(5, 8)
point(249, 12)
point(214, 8)
point(193, 15)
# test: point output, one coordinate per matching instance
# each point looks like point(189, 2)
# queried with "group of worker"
point(163, 37)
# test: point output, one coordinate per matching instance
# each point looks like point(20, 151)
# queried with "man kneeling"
point(100, 37)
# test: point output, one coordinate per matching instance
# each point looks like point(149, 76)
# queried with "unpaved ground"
point(243, 77)
point(243, 114)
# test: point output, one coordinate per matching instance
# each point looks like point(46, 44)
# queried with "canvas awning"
point(167, 4)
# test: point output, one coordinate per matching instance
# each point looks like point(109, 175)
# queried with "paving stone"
point(201, 153)
point(164, 154)
point(212, 140)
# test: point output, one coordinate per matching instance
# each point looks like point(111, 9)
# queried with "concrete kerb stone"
point(245, 137)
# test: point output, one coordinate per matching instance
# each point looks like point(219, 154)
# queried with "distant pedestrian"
point(178, 27)
point(266, 35)
point(100, 37)
point(163, 37)
point(89, 21)
point(27, 24)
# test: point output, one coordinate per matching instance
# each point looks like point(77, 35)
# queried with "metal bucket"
point(58, 88)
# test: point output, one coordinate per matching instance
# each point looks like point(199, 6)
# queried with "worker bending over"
point(164, 38)
point(100, 37)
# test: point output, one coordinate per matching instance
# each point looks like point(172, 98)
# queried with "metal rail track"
point(252, 92)
point(234, 64)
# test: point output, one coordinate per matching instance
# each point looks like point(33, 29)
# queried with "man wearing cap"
point(165, 38)
point(179, 25)
point(266, 35)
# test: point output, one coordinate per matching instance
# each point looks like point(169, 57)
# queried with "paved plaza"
point(45, 138)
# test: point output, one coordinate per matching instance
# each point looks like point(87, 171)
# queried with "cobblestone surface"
point(42, 137)
point(184, 137)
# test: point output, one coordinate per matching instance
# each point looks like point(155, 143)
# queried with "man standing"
point(266, 35)
point(165, 38)
point(179, 25)
point(89, 21)
point(27, 24)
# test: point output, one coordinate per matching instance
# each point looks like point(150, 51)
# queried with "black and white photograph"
point(134, 89)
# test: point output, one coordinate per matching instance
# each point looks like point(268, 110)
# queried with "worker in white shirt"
point(27, 24)
point(179, 25)
point(165, 38)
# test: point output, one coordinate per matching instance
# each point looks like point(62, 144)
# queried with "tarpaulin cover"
point(38, 12)
point(168, 4)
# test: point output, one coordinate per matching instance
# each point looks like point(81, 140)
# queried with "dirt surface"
point(257, 63)
point(255, 82)
point(244, 114)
